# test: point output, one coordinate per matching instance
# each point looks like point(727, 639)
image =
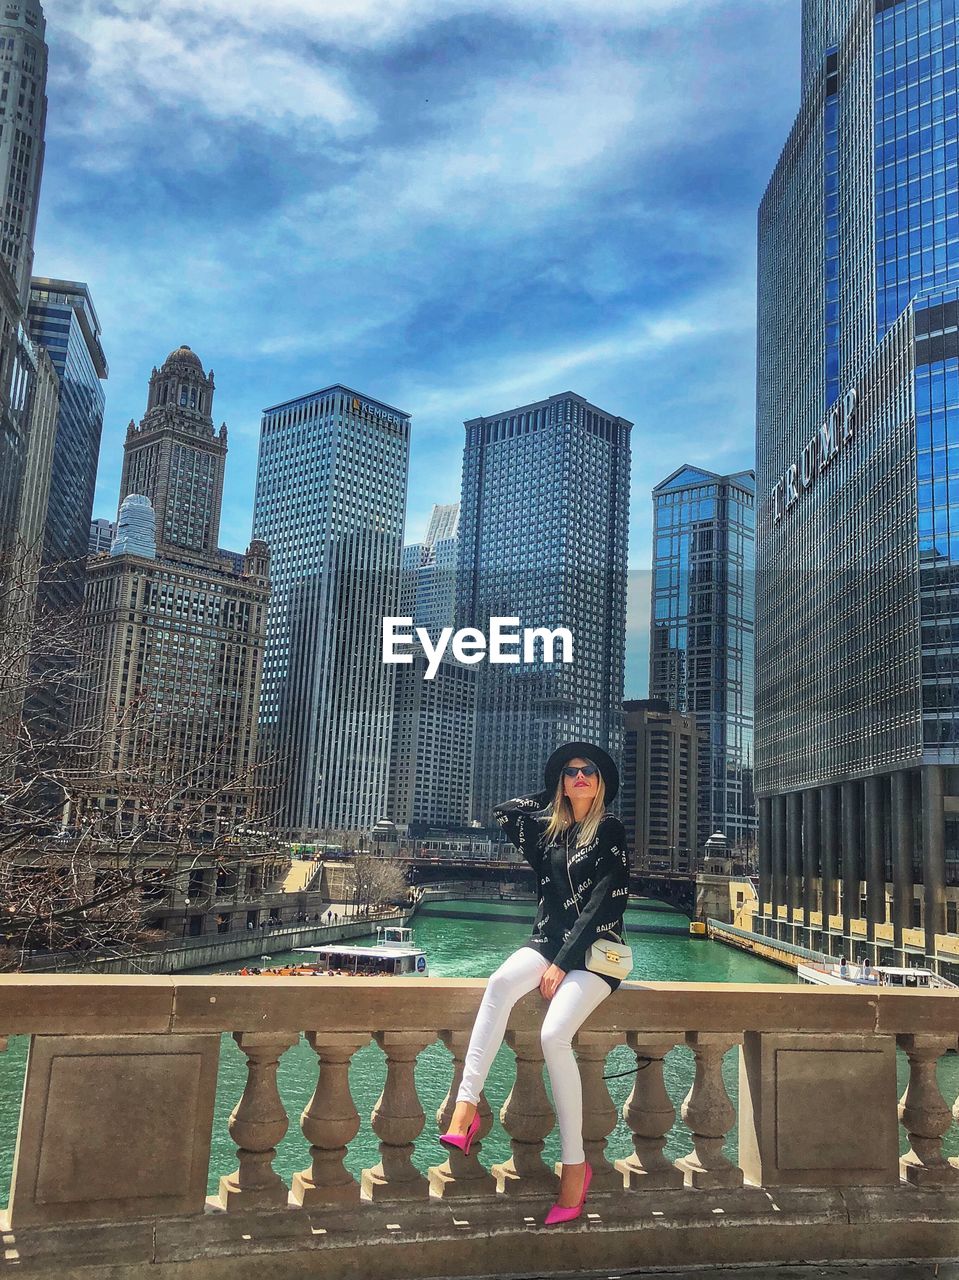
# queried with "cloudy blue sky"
point(456, 206)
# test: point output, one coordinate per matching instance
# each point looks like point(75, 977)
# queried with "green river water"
point(466, 948)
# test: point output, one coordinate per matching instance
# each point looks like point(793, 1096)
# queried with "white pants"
point(577, 996)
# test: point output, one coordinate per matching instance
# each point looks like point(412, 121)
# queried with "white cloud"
point(497, 385)
point(387, 231)
point(283, 65)
point(378, 23)
point(145, 68)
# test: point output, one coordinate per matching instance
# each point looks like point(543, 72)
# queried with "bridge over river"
point(450, 904)
point(675, 891)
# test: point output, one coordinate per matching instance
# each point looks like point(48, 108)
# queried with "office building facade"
point(174, 634)
point(24, 445)
point(428, 587)
point(28, 381)
point(23, 114)
point(702, 634)
point(330, 502)
point(857, 736)
point(544, 510)
point(431, 770)
point(659, 804)
point(29, 393)
point(431, 761)
point(63, 321)
point(101, 536)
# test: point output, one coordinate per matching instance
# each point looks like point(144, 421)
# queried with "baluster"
point(599, 1112)
point(329, 1121)
point(924, 1113)
point(257, 1125)
point(954, 1161)
point(397, 1120)
point(461, 1175)
point(650, 1114)
point(528, 1119)
point(709, 1114)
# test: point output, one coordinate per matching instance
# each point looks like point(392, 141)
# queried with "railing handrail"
point(78, 1004)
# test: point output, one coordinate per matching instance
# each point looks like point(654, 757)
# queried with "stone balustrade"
point(112, 1160)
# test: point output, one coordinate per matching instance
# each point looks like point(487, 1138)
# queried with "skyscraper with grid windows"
point(331, 501)
point(857, 682)
point(544, 510)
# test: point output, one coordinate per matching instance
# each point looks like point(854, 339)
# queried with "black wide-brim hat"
point(589, 751)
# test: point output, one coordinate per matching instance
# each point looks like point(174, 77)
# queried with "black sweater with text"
point(600, 882)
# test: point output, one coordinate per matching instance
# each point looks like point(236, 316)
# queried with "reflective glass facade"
point(702, 634)
point(917, 153)
point(63, 320)
point(831, 259)
point(858, 484)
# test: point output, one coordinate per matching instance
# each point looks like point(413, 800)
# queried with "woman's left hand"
point(550, 980)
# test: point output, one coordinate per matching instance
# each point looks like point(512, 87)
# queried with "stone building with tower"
point(174, 627)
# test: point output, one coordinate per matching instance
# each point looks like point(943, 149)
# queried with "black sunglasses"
point(587, 770)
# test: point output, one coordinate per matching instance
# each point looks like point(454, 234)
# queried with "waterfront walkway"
point(213, 950)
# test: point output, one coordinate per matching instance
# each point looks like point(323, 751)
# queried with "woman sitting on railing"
point(565, 834)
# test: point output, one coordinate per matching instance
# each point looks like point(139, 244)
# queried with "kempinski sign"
point(836, 431)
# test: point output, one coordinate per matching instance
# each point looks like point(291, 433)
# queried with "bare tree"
point(378, 880)
point(78, 875)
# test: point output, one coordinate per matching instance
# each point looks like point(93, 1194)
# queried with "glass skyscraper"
point(543, 537)
point(857, 732)
point(62, 319)
point(701, 659)
point(330, 503)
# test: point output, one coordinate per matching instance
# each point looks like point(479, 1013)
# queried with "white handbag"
point(615, 959)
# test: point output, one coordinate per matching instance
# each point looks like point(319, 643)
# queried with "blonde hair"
point(561, 814)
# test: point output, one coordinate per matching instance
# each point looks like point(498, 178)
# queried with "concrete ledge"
point(482, 1239)
point(90, 1005)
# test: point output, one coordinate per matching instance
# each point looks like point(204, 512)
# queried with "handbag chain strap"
point(576, 895)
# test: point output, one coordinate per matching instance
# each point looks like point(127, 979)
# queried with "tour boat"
point(392, 955)
point(880, 975)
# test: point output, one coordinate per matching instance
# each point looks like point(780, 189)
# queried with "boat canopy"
point(333, 948)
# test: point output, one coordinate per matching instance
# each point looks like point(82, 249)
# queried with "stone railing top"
point(80, 1004)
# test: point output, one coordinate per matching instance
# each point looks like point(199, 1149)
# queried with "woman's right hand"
point(550, 981)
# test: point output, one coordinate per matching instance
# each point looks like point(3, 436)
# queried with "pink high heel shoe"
point(560, 1213)
point(463, 1140)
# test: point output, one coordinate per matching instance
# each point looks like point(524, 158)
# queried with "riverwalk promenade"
point(111, 1167)
point(188, 954)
